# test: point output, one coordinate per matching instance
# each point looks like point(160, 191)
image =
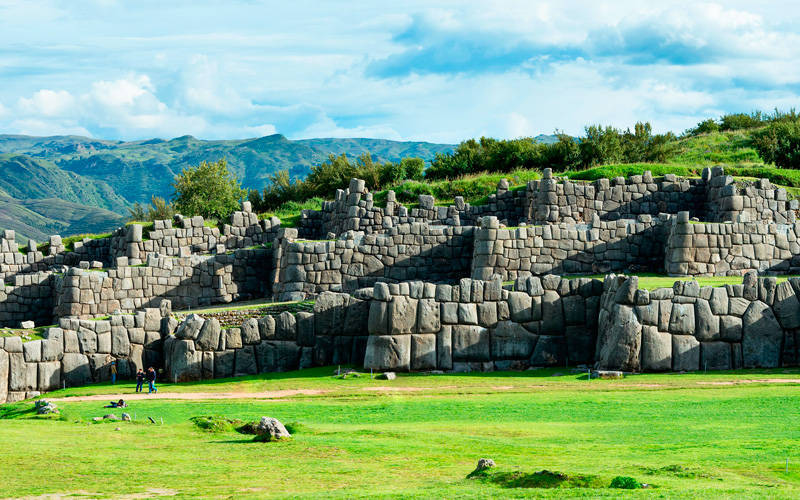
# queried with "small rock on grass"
point(484, 463)
point(387, 376)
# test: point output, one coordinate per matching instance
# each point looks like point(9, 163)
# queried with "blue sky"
point(436, 71)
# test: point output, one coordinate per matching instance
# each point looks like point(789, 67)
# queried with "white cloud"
point(47, 102)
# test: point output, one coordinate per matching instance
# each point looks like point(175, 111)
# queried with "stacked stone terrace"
point(425, 288)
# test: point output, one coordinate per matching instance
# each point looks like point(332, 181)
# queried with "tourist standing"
point(113, 371)
point(139, 380)
point(151, 380)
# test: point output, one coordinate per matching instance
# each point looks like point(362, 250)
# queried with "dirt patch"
point(753, 381)
point(195, 395)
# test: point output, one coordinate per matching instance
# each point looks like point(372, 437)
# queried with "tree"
point(209, 189)
point(779, 143)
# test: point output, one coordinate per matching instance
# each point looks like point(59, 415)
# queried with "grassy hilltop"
point(697, 435)
point(107, 177)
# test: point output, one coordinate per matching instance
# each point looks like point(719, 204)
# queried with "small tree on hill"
point(209, 189)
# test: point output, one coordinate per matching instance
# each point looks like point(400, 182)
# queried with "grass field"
point(689, 436)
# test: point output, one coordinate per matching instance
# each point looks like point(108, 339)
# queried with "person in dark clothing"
point(151, 380)
point(139, 380)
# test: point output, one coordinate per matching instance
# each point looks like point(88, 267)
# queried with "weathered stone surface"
point(271, 429)
point(244, 361)
point(731, 328)
point(761, 337)
point(286, 326)
point(250, 333)
point(470, 343)
point(49, 375)
point(656, 350)
point(223, 364)
point(715, 355)
point(184, 363)
point(552, 314)
point(511, 340)
point(549, 351)
point(622, 343)
point(388, 352)
point(208, 337)
point(402, 315)
point(378, 318)
point(681, 319)
point(189, 327)
point(707, 326)
point(519, 305)
point(75, 369)
point(580, 344)
point(423, 351)
point(305, 329)
point(444, 348)
point(685, 353)
point(786, 306)
point(120, 343)
point(329, 310)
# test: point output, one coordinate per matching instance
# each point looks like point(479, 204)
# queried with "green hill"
point(112, 175)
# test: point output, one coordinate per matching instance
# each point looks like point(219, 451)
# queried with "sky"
point(437, 71)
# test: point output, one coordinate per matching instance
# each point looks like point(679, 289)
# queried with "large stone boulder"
point(76, 370)
point(550, 350)
point(715, 355)
point(656, 350)
point(271, 429)
point(189, 327)
point(277, 356)
point(423, 351)
point(511, 340)
point(786, 306)
point(707, 324)
point(388, 353)
point(761, 337)
point(685, 353)
point(470, 343)
point(208, 337)
point(623, 341)
point(184, 363)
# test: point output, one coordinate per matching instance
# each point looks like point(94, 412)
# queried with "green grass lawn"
point(690, 436)
point(651, 281)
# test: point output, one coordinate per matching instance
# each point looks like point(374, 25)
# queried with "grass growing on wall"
point(697, 435)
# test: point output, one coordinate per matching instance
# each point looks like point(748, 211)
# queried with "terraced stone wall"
point(723, 249)
point(599, 247)
point(79, 352)
point(689, 328)
point(187, 281)
point(357, 260)
point(478, 325)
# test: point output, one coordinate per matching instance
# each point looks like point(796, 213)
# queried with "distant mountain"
point(112, 175)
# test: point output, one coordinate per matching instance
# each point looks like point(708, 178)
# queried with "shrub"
point(705, 127)
point(779, 143)
point(625, 483)
point(738, 121)
point(209, 189)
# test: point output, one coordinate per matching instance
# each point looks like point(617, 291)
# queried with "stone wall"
point(555, 201)
point(600, 247)
point(478, 325)
point(333, 334)
point(30, 298)
point(688, 327)
point(722, 249)
point(79, 352)
point(187, 281)
point(756, 201)
point(358, 260)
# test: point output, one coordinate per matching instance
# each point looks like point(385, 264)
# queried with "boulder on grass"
point(271, 429)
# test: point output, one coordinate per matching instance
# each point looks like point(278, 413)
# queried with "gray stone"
point(681, 319)
point(378, 323)
point(761, 337)
point(208, 337)
point(519, 306)
point(786, 306)
point(183, 362)
point(75, 369)
point(444, 348)
point(685, 353)
point(656, 350)
point(715, 355)
point(388, 352)
point(423, 351)
point(286, 326)
point(250, 333)
point(271, 429)
point(120, 343)
point(428, 316)
point(266, 327)
point(552, 315)
point(730, 328)
point(32, 351)
point(305, 329)
point(467, 314)
point(470, 343)
point(622, 343)
point(49, 375)
point(707, 326)
point(549, 351)
point(402, 315)
point(244, 361)
point(189, 327)
point(511, 340)
point(719, 301)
